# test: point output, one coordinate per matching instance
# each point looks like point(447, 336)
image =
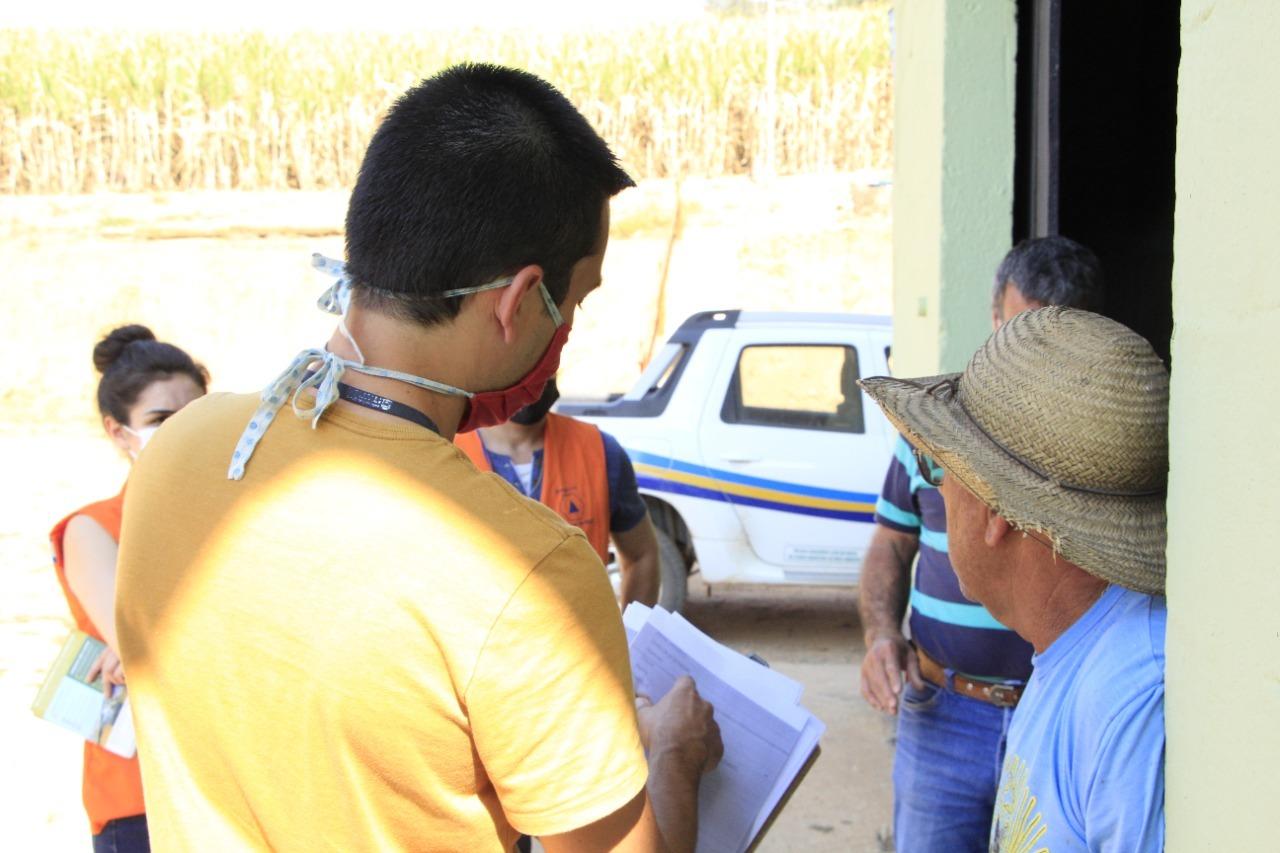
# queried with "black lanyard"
point(378, 403)
point(370, 400)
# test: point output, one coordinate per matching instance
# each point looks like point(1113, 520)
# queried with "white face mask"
point(143, 435)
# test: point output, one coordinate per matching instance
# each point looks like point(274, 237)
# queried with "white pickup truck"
point(757, 453)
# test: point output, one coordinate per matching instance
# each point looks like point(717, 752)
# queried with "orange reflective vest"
point(575, 481)
point(112, 786)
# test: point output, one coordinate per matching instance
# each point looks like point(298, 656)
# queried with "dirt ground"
point(227, 276)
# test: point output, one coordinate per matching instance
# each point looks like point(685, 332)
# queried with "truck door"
point(800, 450)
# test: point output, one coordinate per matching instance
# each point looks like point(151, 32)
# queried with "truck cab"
point(757, 453)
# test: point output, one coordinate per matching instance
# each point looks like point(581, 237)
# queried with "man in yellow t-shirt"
point(338, 633)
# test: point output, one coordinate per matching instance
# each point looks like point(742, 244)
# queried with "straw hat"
point(1060, 425)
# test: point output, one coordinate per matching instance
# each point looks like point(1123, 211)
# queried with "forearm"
point(640, 563)
point(104, 619)
point(673, 793)
point(639, 578)
point(886, 583)
point(97, 595)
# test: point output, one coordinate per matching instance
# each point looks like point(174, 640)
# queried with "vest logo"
point(572, 506)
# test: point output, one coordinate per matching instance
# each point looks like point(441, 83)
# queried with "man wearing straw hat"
point(955, 684)
point(1054, 452)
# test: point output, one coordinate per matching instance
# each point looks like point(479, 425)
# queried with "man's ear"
point(524, 282)
point(997, 528)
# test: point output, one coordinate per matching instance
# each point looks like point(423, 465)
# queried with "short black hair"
point(129, 359)
point(1052, 271)
point(474, 173)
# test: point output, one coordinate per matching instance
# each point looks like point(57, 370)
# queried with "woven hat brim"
point(1119, 539)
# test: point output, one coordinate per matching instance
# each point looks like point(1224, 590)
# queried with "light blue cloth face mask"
point(328, 367)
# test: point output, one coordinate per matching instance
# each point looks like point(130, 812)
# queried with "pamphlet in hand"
point(69, 700)
point(770, 740)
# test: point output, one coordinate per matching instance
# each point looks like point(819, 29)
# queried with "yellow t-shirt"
point(364, 644)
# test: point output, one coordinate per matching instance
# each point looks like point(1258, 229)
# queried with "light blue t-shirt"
point(1084, 762)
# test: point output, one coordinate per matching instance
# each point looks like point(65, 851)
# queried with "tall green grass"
point(83, 111)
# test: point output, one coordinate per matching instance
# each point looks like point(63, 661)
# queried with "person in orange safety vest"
point(584, 475)
point(144, 381)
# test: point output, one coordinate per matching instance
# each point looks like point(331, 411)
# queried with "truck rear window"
point(798, 386)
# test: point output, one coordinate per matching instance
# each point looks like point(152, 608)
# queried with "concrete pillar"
point(953, 175)
point(1223, 679)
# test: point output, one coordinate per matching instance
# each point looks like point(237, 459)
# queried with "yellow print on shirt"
point(1018, 826)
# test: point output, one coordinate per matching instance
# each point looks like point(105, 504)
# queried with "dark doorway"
point(1097, 86)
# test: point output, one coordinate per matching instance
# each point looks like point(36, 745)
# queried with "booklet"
point(69, 700)
point(770, 740)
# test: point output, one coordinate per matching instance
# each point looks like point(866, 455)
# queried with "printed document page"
point(808, 742)
point(757, 744)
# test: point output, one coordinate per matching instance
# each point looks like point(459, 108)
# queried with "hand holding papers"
point(768, 737)
point(90, 708)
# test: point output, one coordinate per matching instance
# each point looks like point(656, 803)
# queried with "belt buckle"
point(1004, 695)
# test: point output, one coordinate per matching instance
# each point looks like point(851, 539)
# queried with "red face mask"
point(490, 408)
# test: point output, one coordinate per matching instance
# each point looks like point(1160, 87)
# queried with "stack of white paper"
point(768, 737)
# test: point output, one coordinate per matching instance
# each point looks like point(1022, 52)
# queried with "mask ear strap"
point(337, 297)
point(346, 333)
point(505, 281)
point(552, 308)
point(330, 266)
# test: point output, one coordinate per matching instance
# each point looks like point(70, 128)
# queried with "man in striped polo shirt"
point(955, 682)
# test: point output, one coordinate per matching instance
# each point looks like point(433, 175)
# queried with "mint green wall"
point(1223, 683)
point(954, 73)
point(953, 175)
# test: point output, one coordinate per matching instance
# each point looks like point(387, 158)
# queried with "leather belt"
point(1000, 695)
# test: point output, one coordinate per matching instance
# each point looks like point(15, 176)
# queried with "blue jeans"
point(946, 769)
point(123, 835)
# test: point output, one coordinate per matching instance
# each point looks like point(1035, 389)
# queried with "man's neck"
point(435, 353)
point(517, 441)
point(1052, 595)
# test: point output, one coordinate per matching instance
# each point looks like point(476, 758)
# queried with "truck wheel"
point(673, 573)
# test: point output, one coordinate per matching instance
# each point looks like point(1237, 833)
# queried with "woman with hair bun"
point(144, 382)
